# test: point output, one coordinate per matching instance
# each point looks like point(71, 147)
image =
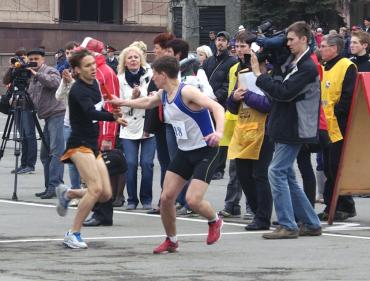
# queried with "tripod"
point(21, 102)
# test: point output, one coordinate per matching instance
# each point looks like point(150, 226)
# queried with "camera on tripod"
point(20, 74)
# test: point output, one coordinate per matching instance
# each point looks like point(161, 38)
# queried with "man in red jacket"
point(109, 85)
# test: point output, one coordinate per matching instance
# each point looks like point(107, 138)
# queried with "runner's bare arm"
point(141, 103)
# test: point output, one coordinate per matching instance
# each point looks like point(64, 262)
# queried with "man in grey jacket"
point(43, 84)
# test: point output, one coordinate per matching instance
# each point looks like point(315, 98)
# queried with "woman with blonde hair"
point(204, 52)
point(134, 75)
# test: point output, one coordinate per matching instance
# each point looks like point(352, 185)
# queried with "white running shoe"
point(62, 205)
point(74, 240)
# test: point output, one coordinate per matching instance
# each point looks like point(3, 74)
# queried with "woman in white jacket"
point(134, 76)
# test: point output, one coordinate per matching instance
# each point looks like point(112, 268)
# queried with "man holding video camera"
point(294, 119)
point(26, 122)
point(43, 84)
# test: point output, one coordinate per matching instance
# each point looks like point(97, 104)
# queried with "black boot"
point(50, 193)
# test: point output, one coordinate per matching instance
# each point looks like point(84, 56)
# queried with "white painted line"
point(115, 211)
point(346, 236)
point(341, 226)
point(125, 237)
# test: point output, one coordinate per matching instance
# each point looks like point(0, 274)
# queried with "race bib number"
point(179, 129)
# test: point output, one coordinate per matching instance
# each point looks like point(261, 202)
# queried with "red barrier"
point(353, 172)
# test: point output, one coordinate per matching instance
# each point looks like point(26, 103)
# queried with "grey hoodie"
point(42, 90)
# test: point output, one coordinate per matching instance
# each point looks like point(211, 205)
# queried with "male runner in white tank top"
point(188, 110)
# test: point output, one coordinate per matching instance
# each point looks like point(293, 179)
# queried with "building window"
point(100, 11)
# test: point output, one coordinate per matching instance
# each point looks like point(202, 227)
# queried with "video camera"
point(273, 44)
point(20, 74)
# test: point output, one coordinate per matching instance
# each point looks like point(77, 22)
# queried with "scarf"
point(133, 78)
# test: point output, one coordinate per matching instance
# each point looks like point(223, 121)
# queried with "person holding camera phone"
point(44, 82)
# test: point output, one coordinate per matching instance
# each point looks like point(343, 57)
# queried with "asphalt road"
point(31, 235)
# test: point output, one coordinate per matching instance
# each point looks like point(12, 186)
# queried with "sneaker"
point(281, 233)
point(338, 216)
point(305, 231)
point(167, 246)
point(74, 202)
point(18, 169)
point(62, 205)
point(74, 240)
point(131, 207)
point(226, 214)
point(26, 170)
point(147, 207)
point(218, 176)
point(184, 212)
point(248, 216)
point(214, 231)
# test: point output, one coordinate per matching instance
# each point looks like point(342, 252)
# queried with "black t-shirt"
point(85, 110)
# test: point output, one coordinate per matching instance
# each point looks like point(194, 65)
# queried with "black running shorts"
point(197, 164)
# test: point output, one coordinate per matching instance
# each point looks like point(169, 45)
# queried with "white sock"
point(173, 239)
point(65, 195)
point(215, 219)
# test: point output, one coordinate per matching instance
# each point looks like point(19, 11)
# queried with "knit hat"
point(93, 45)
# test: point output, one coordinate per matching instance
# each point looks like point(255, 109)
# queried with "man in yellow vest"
point(338, 82)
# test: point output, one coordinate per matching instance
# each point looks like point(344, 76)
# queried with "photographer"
point(295, 97)
point(44, 82)
point(26, 121)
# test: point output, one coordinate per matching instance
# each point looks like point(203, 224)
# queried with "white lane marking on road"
point(124, 237)
point(115, 211)
point(341, 225)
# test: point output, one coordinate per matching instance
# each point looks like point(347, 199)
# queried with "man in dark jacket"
point(360, 42)
point(111, 59)
point(293, 121)
point(217, 70)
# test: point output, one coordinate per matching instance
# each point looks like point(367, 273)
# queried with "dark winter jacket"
point(295, 97)
point(362, 63)
point(217, 71)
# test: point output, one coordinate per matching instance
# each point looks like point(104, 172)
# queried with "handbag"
point(4, 102)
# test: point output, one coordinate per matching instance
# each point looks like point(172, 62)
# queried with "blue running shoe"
point(62, 205)
point(73, 240)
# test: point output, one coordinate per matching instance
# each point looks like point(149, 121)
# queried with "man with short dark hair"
point(188, 111)
point(212, 39)
point(367, 24)
point(337, 85)
point(217, 70)
point(293, 121)
point(44, 82)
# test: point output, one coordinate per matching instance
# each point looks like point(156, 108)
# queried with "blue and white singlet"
point(190, 126)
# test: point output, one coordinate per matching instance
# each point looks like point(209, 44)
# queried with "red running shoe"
point(166, 246)
point(214, 231)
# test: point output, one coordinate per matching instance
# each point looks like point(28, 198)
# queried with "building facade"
point(193, 19)
point(52, 23)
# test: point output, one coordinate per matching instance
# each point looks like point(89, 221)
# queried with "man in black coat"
point(217, 69)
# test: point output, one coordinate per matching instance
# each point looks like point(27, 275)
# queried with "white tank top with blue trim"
point(189, 126)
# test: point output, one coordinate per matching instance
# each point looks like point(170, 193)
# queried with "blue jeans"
point(289, 198)
point(53, 167)
point(74, 176)
point(29, 143)
point(131, 151)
